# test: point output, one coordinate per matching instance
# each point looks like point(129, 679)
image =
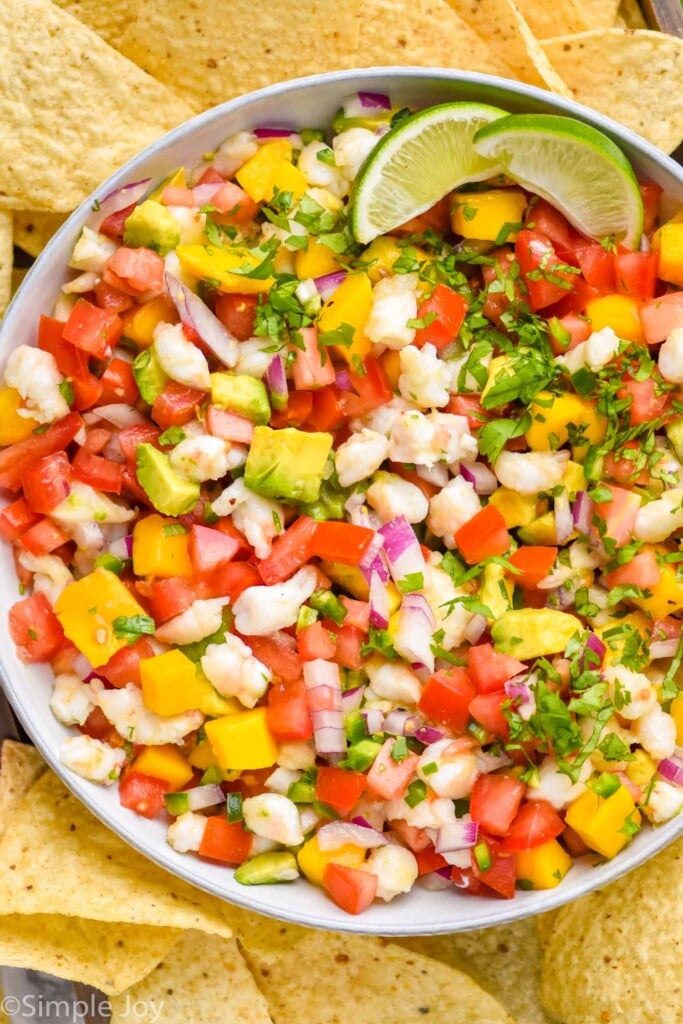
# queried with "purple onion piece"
point(456, 835)
point(352, 699)
point(365, 104)
point(371, 556)
point(276, 379)
point(663, 649)
point(428, 734)
point(274, 133)
point(598, 649)
point(118, 200)
point(564, 521)
point(196, 314)
point(328, 283)
point(374, 720)
point(671, 769)
point(379, 603)
point(518, 689)
point(482, 478)
point(582, 513)
point(402, 548)
point(342, 381)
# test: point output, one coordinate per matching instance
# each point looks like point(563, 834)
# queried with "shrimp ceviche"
point(355, 561)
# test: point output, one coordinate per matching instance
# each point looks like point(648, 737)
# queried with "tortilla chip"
point(634, 77)
point(108, 18)
point(425, 33)
point(20, 766)
point(501, 24)
point(209, 53)
point(630, 15)
point(561, 17)
point(202, 980)
point(615, 956)
point(330, 978)
point(109, 957)
point(544, 925)
point(600, 13)
point(89, 110)
point(505, 960)
point(33, 229)
point(6, 259)
point(99, 877)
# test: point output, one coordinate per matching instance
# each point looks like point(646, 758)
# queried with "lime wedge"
point(417, 163)
point(575, 167)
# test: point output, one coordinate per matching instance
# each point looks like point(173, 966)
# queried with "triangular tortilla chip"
point(6, 261)
point(33, 229)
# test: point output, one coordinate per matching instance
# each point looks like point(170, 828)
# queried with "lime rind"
point(417, 163)
point(575, 167)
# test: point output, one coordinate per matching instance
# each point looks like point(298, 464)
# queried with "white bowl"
point(308, 102)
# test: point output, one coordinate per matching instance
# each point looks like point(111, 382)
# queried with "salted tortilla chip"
point(203, 980)
point(209, 53)
point(505, 960)
point(501, 24)
point(600, 13)
point(108, 18)
point(20, 766)
point(33, 229)
point(99, 877)
point(615, 956)
point(634, 77)
point(6, 259)
point(424, 33)
point(561, 17)
point(544, 926)
point(327, 978)
point(109, 957)
point(89, 110)
point(629, 15)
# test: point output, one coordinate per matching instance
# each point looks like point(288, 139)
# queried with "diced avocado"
point(541, 531)
point(149, 376)
point(169, 492)
point(287, 464)
point(534, 632)
point(361, 755)
point(177, 803)
point(152, 226)
point(241, 394)
point(674, 432)
point(496, 590)
point(268, 868)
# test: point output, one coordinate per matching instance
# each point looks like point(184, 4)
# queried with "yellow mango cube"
point(641, 769)
point(485, 214)
point(158, 552)
point(87, 609)
point(516, 509)
point(350, 304)
point(170, 684)
point(313, 861)
point(574, 479)
point(541, 531)
point(269, 168)
point(666, 597)
point(601, 821)
point(620, 312)
point(315, 261)
point(242, 741)
point(670, 244)
point(495, 590)
point(614, 645)
point(13, 427)
point(139, 323)
point(551, 416)
point(208, 262)
point(202, 756)
point(165, 762)
point(544, 867)
point(391, 364)
point(534, 632)
point(676, 712)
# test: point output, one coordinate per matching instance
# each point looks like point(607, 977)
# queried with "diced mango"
point(666, 597)
point(166, 763)
point(670, 244)
point(87, 609)
point(614, 645)
point(156, 553)
point(350, 304)
point(313, 861)
point(541, 531)
point(496, 590)
point(209, 699)
point(202, 756)
point(242, 741)
point(602, 822)
point(574, 479)
point(641, 769)
point(516, 509)
point(349, 578)
point(391, 364)
point(139, 323)
point(676, 712)
point(550, 419)
point(210, 263)
point(544, 867)
point(271, 168)
point(620, 312)
point(170, 684)
point(534, 632)
point(500, 366)
point(315, 261)
point(484, 215)
point(13, 427)
point(382, 254)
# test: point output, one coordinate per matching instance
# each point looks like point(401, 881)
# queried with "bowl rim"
point(485, 913)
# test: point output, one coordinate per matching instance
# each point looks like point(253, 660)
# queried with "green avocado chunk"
point(169, 492)
point(287, 464)
point(149, 376)
point(242, 394)
point(267, 868)
point(534, 632)
point(151, 226)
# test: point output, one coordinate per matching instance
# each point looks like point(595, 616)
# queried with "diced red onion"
point(475, 628)
point(94, 675)
point(671, 769)
point(374, 720)
point(274, 133)
point(204, 796)
point(122, 548)
point(353, 502)
point(402, 549)
point(121, 415)
point(362, 104)
point(276, 379)
point(196, 314)
point(328, 741)
point(456, 835)
point(416, 624)
point(323, 692)
point(402, 723)
point(352, 699)
point(663, 649)
point(379, 603)
point(582, 513)
point(564, 522)
point(342, 381)
point(480, 476)
point(428, 734)
point(594, 644)
point(118, 200)
point(518, 689)
point(371, 563)
point(339, 833)
point(328, 283)
point(436, 881)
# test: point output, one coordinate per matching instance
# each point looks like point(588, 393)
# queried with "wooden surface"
point(666, 15)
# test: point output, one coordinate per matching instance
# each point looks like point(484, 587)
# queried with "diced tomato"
point(315, 641)
point(112, 299)
point(537, 822)
point(495, 801)
point(661, 316)
point(98, 727)
point(536, 256)
point(64, 659)
point(625, 470)
point(210, 548)
point(636, 273)
point(485, 534)
point(143, 794)
point(666, 629)
point(340, 542)
point(35, 629)
point(131, 437)
point(372, 389)
point(429, 860)
point(312, 364)
point(446, 698)
point(351, 889)
point(329, 409)
point(176, 405)
point(100, 473)
point(287, 715)
point(575, 300)
point(231, 579)
point(489, 670)
point(225, 841)
point(92, 329)
point(470, 407)
point(113, 226)
point(16, 519)
point(534, 564)
point(46, 482)
point(597, 266)
point(124, 666)
point(289, 552)
point(416, 839)
point(296, 412)
point(387, 778)
point(646, 404)
point(578, 329)
point(72, 362)
point(466, 881)
point(210, 176)
point(650, 193)
point(170, 597)
point(44, 537)
point(487, 710)
point(500, 877)
point(278, 655)
point(96, 439)
point(618, 516)
point(229, 425)
point(497, 302)
point(15, 459)
point(446, 309)
point(574, 843)
point(357, 613)
point(427, 488)
point(339, 789)
point(118, 383)
point(642, 571)
point(233, 200)
point(135, 270)
point(349, 643)
point(437, 218)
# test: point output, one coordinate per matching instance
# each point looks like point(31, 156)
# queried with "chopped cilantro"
point(132, 627)
point(412, 582)
point(172, 435)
